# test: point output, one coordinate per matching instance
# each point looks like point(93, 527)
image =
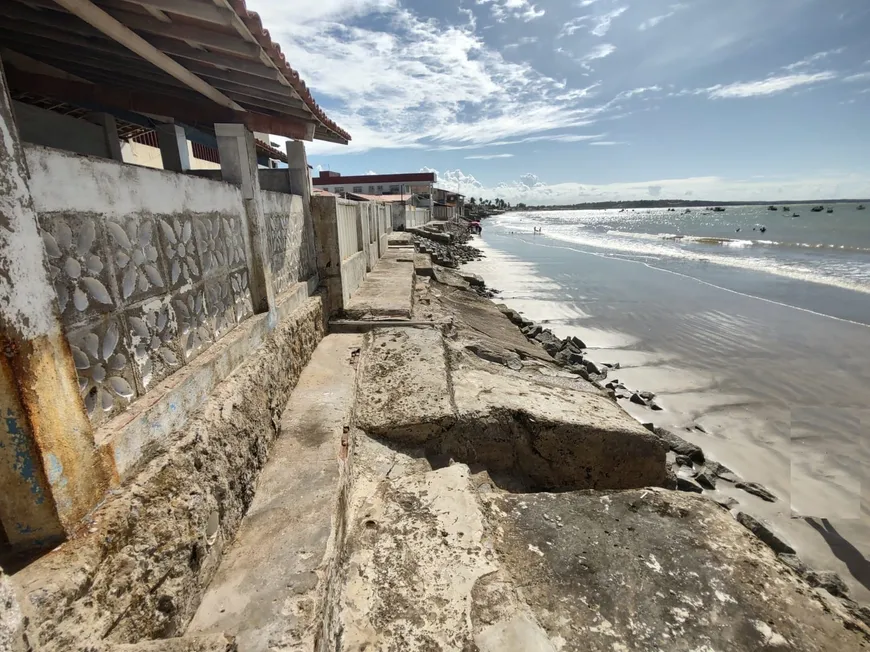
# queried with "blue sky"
point(583, 100)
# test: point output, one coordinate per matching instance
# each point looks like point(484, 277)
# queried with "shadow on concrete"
point(858, 565)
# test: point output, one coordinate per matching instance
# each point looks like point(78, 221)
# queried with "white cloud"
point(598, 52)
point(377, 81)
point(818, 56)
point(770, 86)
point(488, 157)
point(523, 40)
point(602, 23)
point(655, 20)
point(532, 190)
point(608, 143)
point(861, 76)
point(521, 9)
point(624, 95)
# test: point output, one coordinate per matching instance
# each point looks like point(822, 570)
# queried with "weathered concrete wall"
point(50, 476)
point(275, 180)
point(353, 272)
point(290, 239)
point(43, 127)
point(152, 548)
point(135, 436)
point(149, 268)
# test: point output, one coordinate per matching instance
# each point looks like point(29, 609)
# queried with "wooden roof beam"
point(203, 11)
point(110, 26)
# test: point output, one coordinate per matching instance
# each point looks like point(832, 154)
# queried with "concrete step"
point(268, 590)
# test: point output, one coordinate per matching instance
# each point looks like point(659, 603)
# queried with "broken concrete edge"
point(11, 620)
point(139, 571)
point(670, 439)
point(136, 435)
point(207, 643)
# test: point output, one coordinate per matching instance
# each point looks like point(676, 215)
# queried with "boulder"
point(721, 471)
point(655, 406)
point(648, 396)
point(495, 354)
point(794, 562)
point(756, 490)
point(580, 344)
point(725, 502)
point(683, 460)
point(533, 331)
point(829, 581)
point(595, 368)
point(580, 370)
point(680, 445)
point(473, 280)
point(637, 399)
point(705, 479)
point(686, 484)
point(764, 533)
point(569, 357)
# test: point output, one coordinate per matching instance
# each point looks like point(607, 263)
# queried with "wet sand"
point(780, 391)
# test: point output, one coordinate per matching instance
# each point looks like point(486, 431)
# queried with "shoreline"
point(641, 366)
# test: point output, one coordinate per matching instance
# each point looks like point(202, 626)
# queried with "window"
point(372, 188)
point(394, 190)
point(357, 188)
point(339, 189)
point(380, 187)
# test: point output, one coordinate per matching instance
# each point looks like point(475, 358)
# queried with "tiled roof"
point(274, 153)
point(255, 25)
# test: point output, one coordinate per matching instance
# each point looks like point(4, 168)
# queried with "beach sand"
point(781, 393)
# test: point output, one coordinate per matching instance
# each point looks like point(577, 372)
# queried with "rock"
point(726, 502)
point(655, 406)
point(685, 484)
point(764, 533)
point(680, 445)
point(756, 490)
point(568, 357)
point(11, 620)
point(647, 396)
point(580, 344)
point(649, 426)
point(794, 562)
point(721, 471)
point(683, 460)
point(829, 581)
point(579, 370)
point(595, 368)
point(705, 479)
point(496, 355)
point(533, 331)
point(545, 336)
point(636, 398)
point(473, 280)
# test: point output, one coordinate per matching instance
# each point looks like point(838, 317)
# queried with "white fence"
point(416, 216)
point(348, 234)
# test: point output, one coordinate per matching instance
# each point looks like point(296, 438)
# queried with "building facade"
point(421, 184)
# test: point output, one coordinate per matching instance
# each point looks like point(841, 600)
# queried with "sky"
point(564, 101)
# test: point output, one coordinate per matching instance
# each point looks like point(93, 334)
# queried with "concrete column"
point(110, 132)
point(50, 472)
point(325, 218)
point(173, 147)
point(239, 166)
point(300, 184)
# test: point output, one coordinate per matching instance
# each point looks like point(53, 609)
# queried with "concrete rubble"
point(447, 484)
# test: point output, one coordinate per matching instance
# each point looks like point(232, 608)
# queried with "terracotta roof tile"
point(255, 25)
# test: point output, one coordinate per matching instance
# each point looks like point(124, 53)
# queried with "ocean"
point(757, 345)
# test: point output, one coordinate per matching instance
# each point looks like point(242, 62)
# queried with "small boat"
point(718, 209)
point(772, 208)
point(785, 209)
point(795, 215)
point(861, 207)
point(830, 210)
point(817, 209)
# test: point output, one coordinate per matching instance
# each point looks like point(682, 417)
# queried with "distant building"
point(421, 184)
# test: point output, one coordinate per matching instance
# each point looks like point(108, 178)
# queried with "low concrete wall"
point(182, 510)
point(353, 272)
point(290, 239)
point(44, 127)
point(277, 180)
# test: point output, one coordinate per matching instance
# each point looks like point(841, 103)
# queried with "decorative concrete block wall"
point(291, 239)
point(149, 268)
